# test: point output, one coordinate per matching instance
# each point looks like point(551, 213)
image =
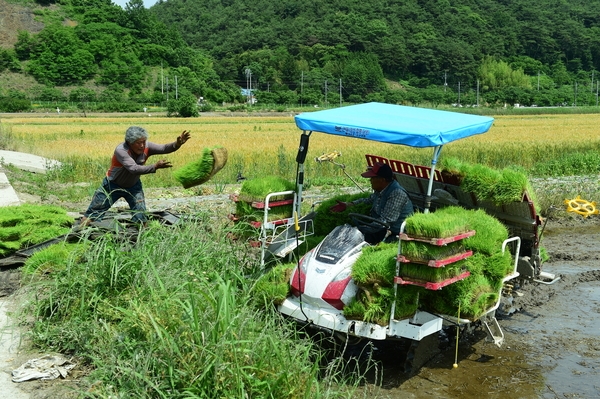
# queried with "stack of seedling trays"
point(251, 206)
point(431, 254)
point(251, 200)
point(433, 262)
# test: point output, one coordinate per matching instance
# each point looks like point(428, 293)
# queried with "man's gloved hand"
point(339, 207)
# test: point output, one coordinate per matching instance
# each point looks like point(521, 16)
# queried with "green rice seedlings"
point(375, 305)
point(490, 233)
point(256, 190)
point(12, 233)
point(435, 225)
point(408, 298)
point(380, 309)
point(474, 295)
point(8, 247)
point(544, 254)
point(51, 259)
point(273, 287)
point(476, 263)
point(325, 220)
point(510, 187)
point(211, 161)
point(28, 224)
point(196, 171)
point(481, 181)
point(423, 252)
point(355, 310)
point(376, 265)
point(424, 273)
point(371, 304)
point(498, 266)
point(10, 219)
point(452, 169)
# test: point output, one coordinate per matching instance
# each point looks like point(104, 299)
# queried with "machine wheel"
point(581, 206)
point(420, 352)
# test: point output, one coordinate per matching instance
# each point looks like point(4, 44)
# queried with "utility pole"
point(248, 73)
point(538, 81)
point(167, 88)
point(301, 88)
point(478, 92)
point(459, 94)
point(445, 82)
point(340, 92)
point(325, 92)
point(162, 79)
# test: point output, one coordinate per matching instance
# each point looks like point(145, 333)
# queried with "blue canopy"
point(395, 124)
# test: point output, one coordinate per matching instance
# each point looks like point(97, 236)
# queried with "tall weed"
point(169, 314)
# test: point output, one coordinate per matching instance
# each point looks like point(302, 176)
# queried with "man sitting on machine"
point(390, 205)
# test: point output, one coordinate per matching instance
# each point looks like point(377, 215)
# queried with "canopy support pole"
point(436, 154)
point(300, 158)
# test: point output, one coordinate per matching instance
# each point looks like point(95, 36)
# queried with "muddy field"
point(551, 347)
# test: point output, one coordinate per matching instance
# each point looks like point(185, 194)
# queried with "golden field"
point(268, 145)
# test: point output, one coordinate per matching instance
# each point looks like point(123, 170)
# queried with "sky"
point(147, 3)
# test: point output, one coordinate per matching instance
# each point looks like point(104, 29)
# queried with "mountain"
point(15, 18)
point(302, 52)
point(424, 40)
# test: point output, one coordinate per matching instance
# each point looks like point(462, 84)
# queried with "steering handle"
point(366, 218)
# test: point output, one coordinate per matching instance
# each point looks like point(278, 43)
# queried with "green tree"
point(82, 94)
point(186, 106)
point(8, 60)
point(496, 75)
point(51, 94)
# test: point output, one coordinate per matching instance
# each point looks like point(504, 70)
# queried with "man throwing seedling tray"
point(122, 179)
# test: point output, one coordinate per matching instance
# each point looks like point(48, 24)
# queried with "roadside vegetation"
point(170, 314)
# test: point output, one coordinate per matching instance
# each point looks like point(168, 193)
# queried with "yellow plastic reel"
point(581, 206)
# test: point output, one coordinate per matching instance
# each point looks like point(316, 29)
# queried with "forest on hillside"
point(472, 52)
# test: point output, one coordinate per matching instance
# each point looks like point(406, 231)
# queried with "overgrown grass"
point(171, 316)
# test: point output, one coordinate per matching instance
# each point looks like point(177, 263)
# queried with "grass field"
point(543, 145)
